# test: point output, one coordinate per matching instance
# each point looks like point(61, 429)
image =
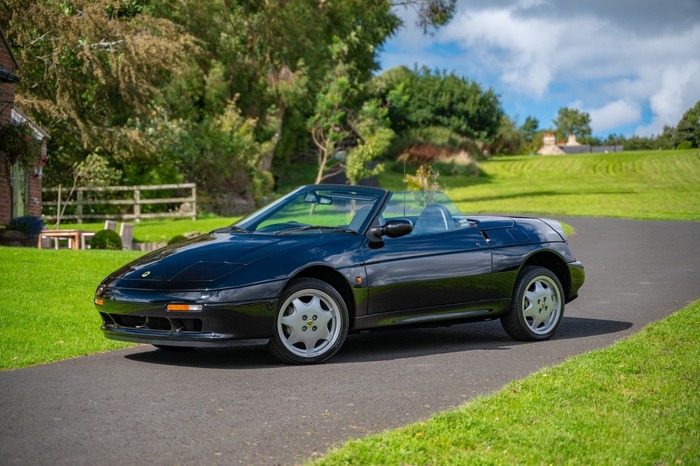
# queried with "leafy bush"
point(177, 239)
point(437, 136)
point(28, 224)
point(106, 239)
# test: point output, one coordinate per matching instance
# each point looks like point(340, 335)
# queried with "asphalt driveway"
point(142, 406)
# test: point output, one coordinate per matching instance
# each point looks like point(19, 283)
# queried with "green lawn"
point(46, 310)
point(660, 185)
point(635, 403)
point(149, 231)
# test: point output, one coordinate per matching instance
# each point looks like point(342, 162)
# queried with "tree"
point(529, 128)
point(272, 56)
point(90, 70)
point(375, 136)
point(531, 135)
point(136, 79)
point(572, 121)
point(509, 139)
point(688, 128)
point(94, 171)
point(329, 125)
point(441, 99)
point(431, 13)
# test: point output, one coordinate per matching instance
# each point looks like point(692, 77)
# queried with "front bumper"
point(226, 317)
point(190, 340)
point(215, 325)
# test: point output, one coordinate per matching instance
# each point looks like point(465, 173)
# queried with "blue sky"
point(633, 65)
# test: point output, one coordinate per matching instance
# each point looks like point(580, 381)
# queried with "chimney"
point(572, 140)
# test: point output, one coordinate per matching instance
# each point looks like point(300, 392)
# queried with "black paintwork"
point(463, 274)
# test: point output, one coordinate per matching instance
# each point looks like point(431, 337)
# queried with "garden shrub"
point(106, 239)
point(28, 224)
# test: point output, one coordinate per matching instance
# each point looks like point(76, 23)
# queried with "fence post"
point(194, 202)
point(137, 205)
point(79, 211)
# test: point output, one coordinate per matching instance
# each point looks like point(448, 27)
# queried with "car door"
point(419, 275)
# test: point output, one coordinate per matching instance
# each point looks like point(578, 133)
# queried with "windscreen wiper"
point(316, 227)
point(231, 229)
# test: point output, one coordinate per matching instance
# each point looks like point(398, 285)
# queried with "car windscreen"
point(314, 210)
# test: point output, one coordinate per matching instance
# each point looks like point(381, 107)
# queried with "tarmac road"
point(142, 406)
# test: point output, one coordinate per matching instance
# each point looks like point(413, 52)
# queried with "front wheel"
point(311, 323)
point(537, 306)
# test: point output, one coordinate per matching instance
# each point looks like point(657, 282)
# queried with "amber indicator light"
point(183, 307)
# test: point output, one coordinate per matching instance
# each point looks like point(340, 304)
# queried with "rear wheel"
point(537, 306)
point(311, 323)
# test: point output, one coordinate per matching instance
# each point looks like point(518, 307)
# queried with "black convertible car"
point(325, 260)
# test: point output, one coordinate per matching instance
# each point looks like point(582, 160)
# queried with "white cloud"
point(522, 51)
point(634, 62)
point(679, 90)
point(617, 113)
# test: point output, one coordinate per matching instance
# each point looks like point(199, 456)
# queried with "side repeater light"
point(184, 307)
point(99, 302)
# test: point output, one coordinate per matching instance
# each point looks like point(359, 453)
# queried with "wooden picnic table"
point(73, 237)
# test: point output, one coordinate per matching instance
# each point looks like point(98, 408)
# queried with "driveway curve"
point(142, 406)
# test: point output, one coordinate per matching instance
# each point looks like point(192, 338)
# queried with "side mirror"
point(392, 229)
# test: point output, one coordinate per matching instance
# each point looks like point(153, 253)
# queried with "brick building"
point(20, 189)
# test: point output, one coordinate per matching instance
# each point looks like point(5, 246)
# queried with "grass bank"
point(636, 402)
point(46, 311)
point(653, 185)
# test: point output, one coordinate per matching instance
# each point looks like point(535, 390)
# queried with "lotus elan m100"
point(325, 260)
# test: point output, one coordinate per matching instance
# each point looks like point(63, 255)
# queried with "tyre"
point(311, 323)
point(537, 306)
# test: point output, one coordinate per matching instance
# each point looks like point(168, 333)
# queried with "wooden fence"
point(106, 203)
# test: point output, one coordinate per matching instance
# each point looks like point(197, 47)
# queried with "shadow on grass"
point(383, 345)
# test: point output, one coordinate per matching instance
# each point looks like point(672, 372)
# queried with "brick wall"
point(7, 90)
point(7, 94)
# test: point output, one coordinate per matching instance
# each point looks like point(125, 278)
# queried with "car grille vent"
point(152, 323)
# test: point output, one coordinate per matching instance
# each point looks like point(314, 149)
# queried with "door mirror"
point(397, 228)
point(392, 229)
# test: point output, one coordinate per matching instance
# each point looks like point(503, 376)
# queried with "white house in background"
point(572, 146)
